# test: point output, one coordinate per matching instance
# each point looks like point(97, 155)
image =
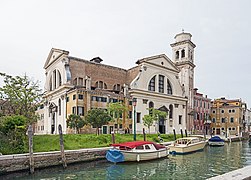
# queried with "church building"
point(74, 86)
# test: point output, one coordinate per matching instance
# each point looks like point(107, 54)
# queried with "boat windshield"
point(183, 141)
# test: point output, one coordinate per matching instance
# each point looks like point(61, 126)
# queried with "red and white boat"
point(136, 151)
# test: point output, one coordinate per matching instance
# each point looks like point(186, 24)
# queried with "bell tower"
point(183, 57)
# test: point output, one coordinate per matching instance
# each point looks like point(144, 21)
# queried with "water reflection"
point(201, 165)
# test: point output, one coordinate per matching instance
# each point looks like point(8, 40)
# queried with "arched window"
point(161, 83)
point(59, 79)
point(75, 81)
point(101, 85)
point(151, 85)
point(183, 53)
point(177, 55)
point(170, 111)
point(59, 107)
point(50, 84)
point(116, 87)
point(169, 87)
point(54, 79)
point(151, 105)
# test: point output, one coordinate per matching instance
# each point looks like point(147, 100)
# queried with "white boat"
point(187, 145)
point(216, 141)
point(136, 151)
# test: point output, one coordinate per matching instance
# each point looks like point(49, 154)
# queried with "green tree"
point(97, 118)
point(12, 134)
point(148, 121)
point(75, 122)
point(23, 95)
point(116, 110)
point(154, 115)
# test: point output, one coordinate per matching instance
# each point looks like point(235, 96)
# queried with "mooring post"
point(186, 132)
point(181, 132)
point(174, 134)
point(61, 142)
point(30, 135)
point(113, 137)
point(144, 134)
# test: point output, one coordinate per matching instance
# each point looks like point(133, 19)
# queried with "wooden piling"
point(30, 135)
point(61, 142)
point(144, 134)
point(181, 132)
point(113, 137)
point(186, 132)
point(174, 134)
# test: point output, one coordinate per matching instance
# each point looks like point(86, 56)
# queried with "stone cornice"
point(183, 42)
point(180, 63)
point(155, 94)
point(59, 89)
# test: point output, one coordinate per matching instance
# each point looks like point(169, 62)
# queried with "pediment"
point(163, 108)
point(53, 56)
point(160, 60)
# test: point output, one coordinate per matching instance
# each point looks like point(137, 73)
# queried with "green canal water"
point(212, 161)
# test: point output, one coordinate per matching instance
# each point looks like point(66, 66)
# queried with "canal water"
point(212, 161)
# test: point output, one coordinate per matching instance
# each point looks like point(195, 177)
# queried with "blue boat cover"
point(114, 155)
point(216, 139)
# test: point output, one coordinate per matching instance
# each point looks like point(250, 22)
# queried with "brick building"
point(202, 110)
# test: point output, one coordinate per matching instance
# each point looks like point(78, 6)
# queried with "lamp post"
point(134, 102)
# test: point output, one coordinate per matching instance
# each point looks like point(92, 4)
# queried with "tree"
point(154, 115)
point(116, 109)
point(75, 122)
point(12, 134)
point(23, 95)
point(97, 118)
point(148, 121)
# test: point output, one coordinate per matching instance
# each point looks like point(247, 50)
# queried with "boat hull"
point(114, 155)
point(211, 143)
point(144, 156)
point(185, 149)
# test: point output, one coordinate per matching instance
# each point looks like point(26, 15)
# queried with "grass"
point(45, 143)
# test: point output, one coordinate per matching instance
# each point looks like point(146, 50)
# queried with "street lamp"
point(134, 102)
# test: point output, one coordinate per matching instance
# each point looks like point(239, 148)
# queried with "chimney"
point(96, 60)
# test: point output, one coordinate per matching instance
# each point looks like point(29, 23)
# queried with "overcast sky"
point(121, 32)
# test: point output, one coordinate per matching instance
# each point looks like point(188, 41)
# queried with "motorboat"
point(136, 151)
point(187, 145)
point(216, 141)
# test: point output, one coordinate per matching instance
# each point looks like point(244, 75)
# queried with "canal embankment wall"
point(21, 162)
point(239, 174)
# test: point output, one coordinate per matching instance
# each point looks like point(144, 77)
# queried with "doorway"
point(104, 131)
point(162, 127)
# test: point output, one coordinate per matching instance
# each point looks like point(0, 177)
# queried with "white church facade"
point(75, 85)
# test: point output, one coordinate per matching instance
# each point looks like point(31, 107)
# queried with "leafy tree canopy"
point(154, 115)
point(116, 110)
point(22, 93)
point(10, 123)
point(75, 122)
point(97, 118)
point(12, 134)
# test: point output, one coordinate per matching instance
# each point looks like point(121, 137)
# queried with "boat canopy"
point(134, 144)
point(216, 139)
